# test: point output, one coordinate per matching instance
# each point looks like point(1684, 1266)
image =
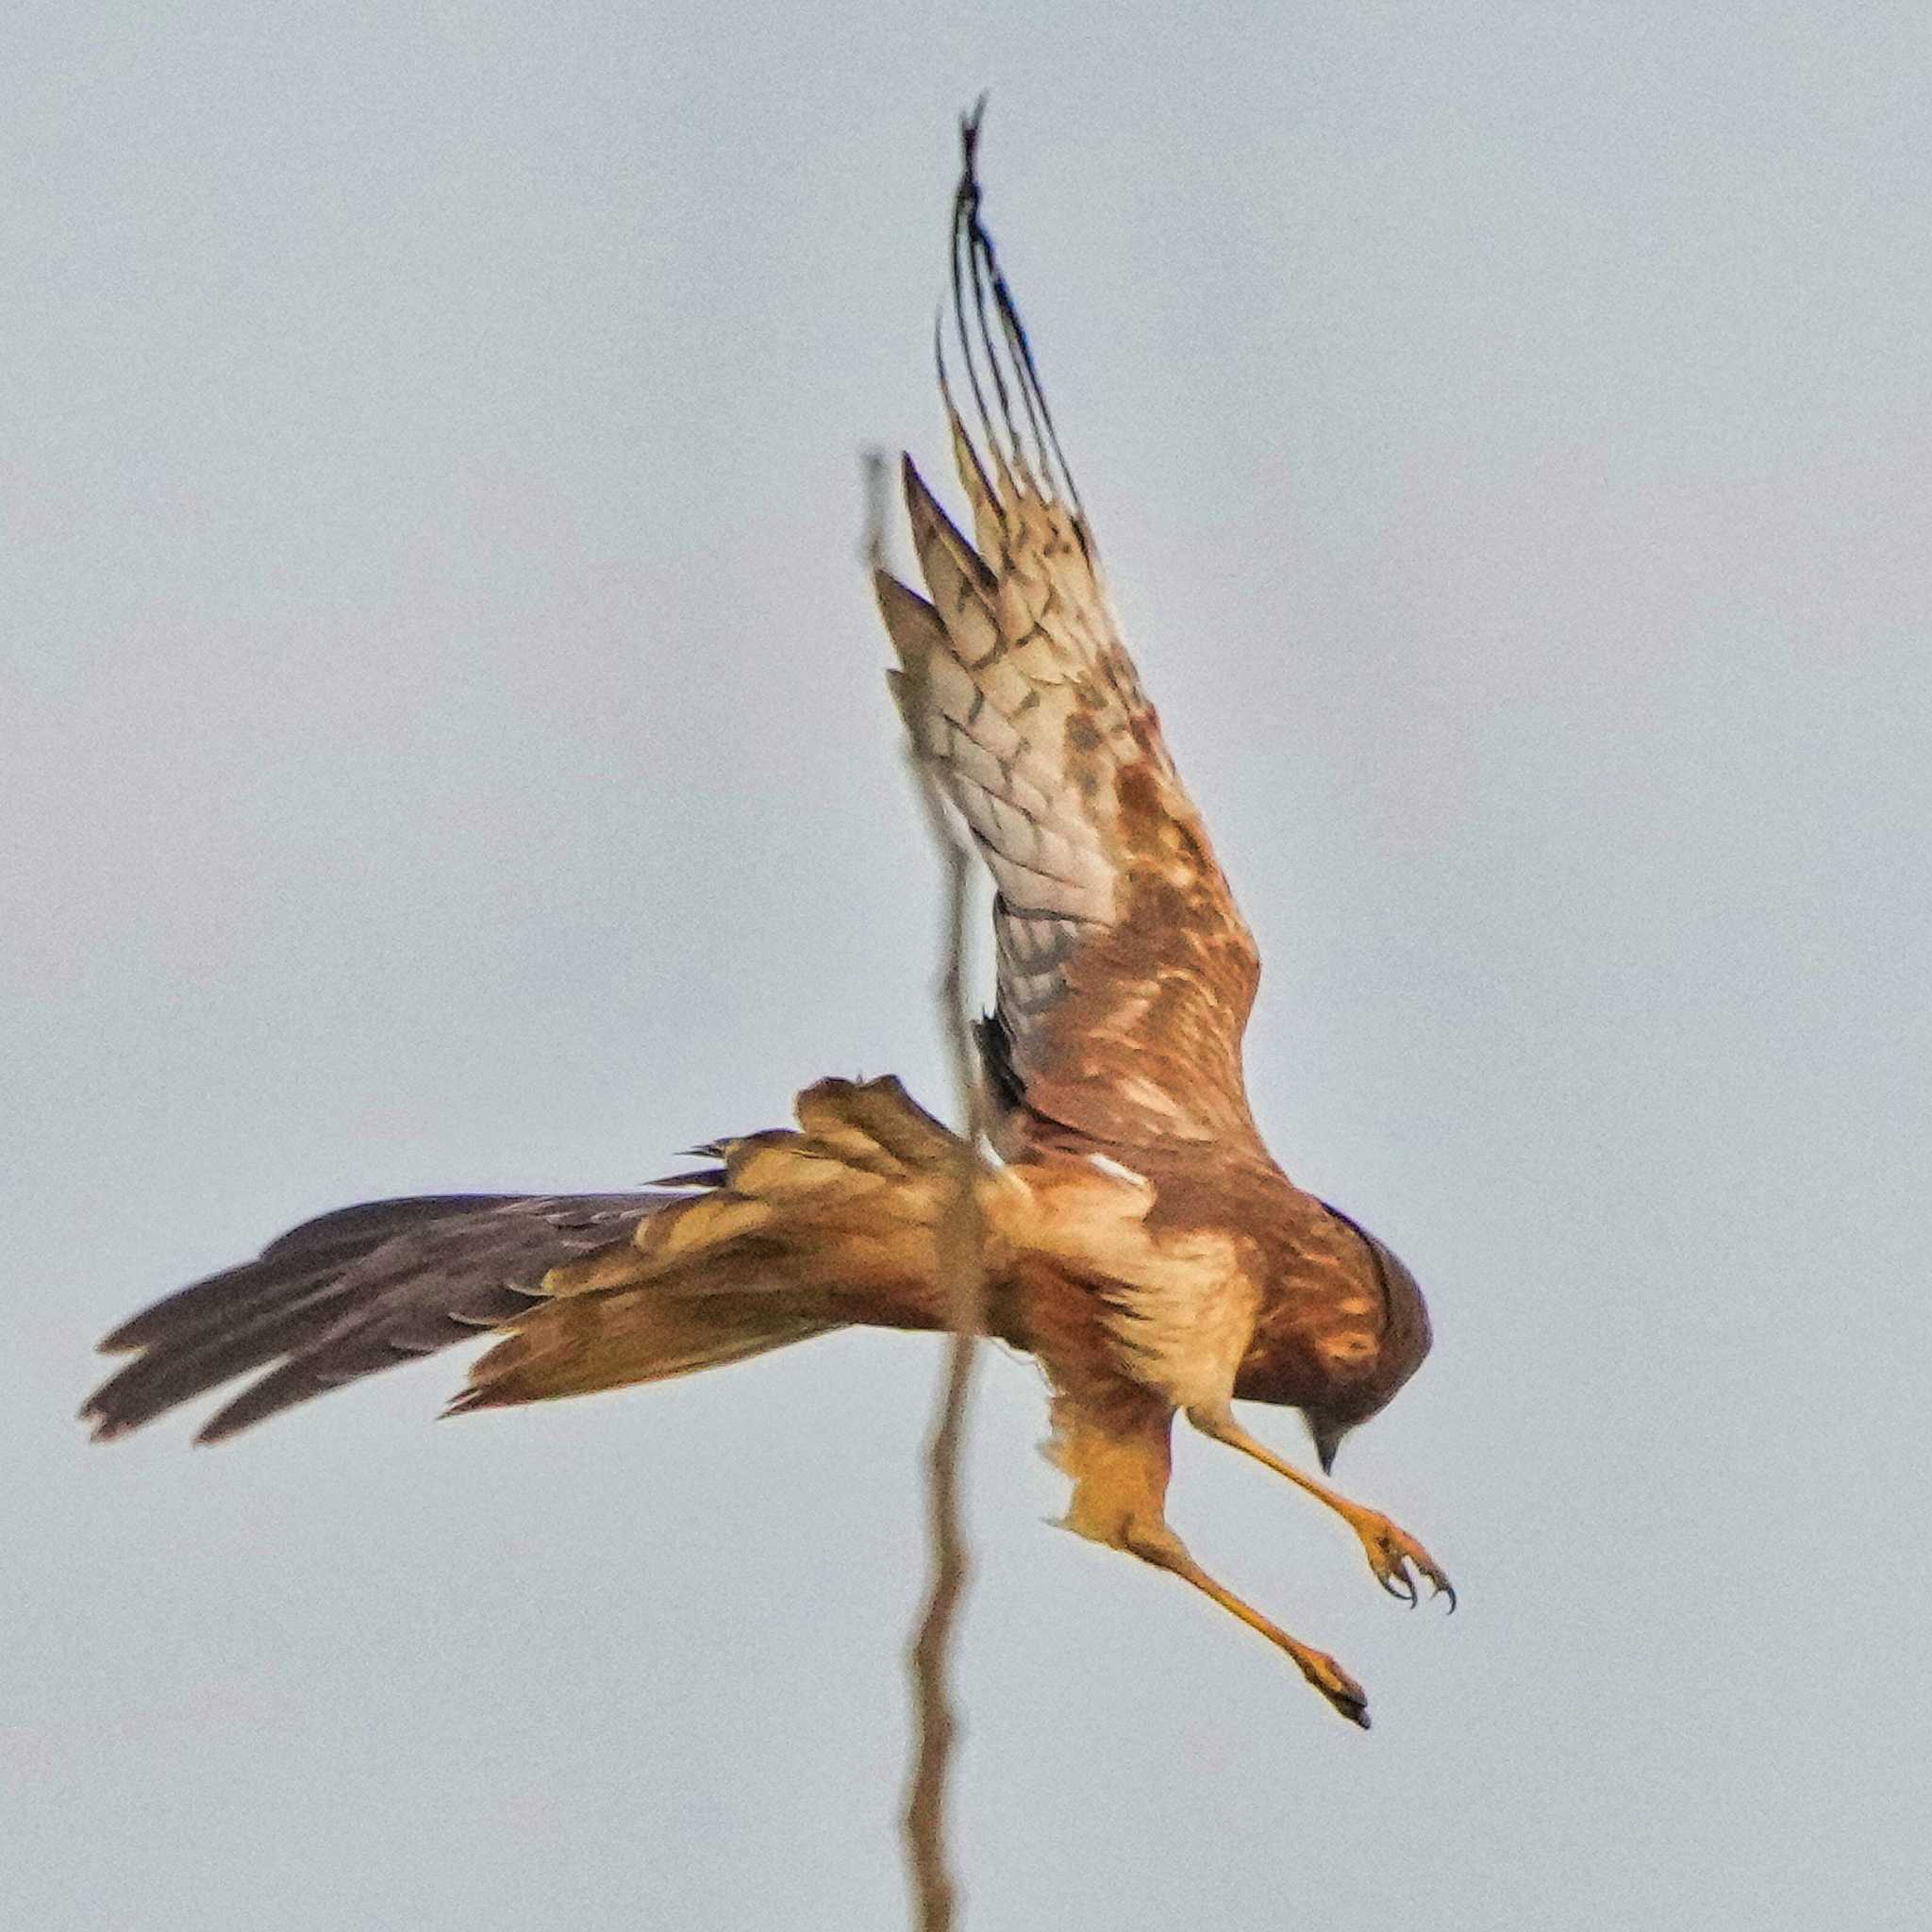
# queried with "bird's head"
point(1403, 1342)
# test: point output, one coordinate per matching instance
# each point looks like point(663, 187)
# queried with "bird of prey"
point(1135, 1236)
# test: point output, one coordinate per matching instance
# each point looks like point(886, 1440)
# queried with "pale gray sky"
point(443, 746)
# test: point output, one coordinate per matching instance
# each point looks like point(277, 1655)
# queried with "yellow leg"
point(1166, 1551)
point(1391, 1552)
point(1117, 1454)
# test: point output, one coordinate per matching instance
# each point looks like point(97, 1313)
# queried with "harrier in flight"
point(1136, 1236)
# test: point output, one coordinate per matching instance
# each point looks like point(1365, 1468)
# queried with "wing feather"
point(350, 1293)
point(1125, 973)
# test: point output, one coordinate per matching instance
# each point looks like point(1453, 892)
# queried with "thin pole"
point(962, 1278)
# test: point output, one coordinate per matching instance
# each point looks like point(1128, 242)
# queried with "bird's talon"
point(1393, 1555)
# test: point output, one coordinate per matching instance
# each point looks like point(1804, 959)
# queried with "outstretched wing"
point(1125, 973)
point(789, 1234)
point(351, 1292)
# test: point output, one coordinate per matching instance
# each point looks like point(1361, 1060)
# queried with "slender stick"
point(963, 1277)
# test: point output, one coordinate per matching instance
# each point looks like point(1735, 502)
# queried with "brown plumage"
point(1137, 1238)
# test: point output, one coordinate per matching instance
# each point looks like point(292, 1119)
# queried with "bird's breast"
point(1168, 1307)
point(1186, 1320)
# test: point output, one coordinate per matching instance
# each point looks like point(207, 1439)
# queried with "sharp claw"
point(1402, 1566)
point(1395, 1577)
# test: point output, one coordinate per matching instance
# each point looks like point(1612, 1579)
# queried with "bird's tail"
point(794, 1232)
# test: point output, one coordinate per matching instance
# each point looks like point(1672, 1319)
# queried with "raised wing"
point(1125, 973)
point(351, 1292)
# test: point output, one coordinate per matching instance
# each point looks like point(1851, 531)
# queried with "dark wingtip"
point(266, 1396)
point(970, 125)
point(138, 1331)
point(929, 520)
point(1028, 439)
point(919, 496)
